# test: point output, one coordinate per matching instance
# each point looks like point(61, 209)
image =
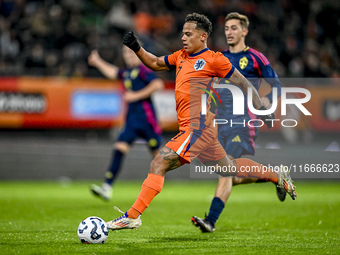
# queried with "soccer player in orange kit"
point(196, 66)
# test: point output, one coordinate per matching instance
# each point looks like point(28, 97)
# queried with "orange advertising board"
point(28, 102)
point(52, 102)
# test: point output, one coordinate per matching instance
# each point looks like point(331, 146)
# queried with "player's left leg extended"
point(164, 161)
point(282, 179)
point(245, 145)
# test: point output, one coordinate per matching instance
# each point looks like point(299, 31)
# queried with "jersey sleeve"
point(223, 67)
point(170, 60)
point(270, 76)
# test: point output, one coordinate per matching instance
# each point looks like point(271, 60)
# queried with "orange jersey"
point(193, 73)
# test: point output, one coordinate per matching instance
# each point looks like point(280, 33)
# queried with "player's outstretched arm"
point(107, 69)
point(133, 96)
point(238, 79)
point(151, 61)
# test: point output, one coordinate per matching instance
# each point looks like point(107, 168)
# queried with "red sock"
point(247, 168)
point(151, 186)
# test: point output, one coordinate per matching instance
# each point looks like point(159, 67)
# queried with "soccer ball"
point(93, 230)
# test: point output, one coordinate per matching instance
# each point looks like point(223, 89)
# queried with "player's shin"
point(113, 170)
point(152, 185)
point(247, 168)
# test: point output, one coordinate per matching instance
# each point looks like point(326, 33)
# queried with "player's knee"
point(123, 147)
point(237, 180)
point(224, 167)
point(165, 161)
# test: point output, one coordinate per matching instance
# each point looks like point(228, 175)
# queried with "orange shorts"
point(203, 144)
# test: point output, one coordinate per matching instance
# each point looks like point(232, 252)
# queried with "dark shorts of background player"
point(237, 144)
point(131, 133)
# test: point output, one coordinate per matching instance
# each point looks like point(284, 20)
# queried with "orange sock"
point(247, 168)
point(151, 186)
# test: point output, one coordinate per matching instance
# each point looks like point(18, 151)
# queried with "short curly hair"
point(202, 22)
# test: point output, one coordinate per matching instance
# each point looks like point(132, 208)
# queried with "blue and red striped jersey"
point(254, 66)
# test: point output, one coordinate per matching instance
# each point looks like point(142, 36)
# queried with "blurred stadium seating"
point(54, 37)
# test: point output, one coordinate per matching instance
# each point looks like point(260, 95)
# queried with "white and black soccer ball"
point(93, 230)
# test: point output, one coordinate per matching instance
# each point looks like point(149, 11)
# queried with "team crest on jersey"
point(199, 65)
point(243, 62)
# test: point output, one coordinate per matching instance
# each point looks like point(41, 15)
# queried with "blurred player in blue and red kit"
point(141, 121)
point(238, 139)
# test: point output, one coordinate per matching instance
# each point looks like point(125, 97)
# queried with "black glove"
point(130, 40)
point(267, 118)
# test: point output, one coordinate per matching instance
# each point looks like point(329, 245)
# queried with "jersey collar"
point(240, 52)
point(200, 52)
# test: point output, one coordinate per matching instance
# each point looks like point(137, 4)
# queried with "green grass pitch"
point(42, 218)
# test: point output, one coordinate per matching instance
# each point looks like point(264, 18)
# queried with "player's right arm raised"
point(149, 60)
point(109, 70)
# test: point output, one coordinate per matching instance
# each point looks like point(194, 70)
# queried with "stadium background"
point(59, 117)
